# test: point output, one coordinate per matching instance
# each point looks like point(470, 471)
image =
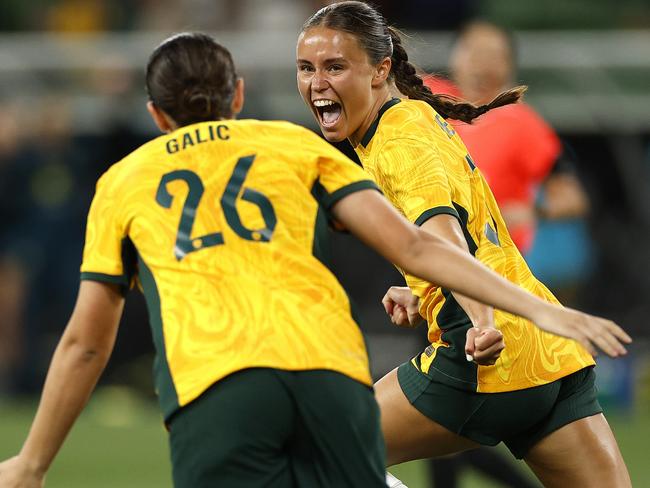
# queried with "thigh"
point(337, 441)
point(235, 434)
point(408, 433)
point(582, 453)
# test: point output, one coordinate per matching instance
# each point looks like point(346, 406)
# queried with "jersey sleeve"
point(109, 255)
point(414, 179)
point(338, 176)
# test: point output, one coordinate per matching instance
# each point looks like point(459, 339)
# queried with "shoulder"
point(413, 125)
point(410, 110)
point(521, 116)
point(120, 169)
point(129, 169)
point(410, 119)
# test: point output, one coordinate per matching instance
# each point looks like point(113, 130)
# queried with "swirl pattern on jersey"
point(228, 298)
point(423, 168)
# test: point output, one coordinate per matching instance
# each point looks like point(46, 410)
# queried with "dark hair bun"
point(197, 101)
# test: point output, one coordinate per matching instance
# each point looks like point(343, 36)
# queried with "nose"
point(319, 82)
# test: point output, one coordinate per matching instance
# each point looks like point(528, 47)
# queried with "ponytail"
point(411, 84)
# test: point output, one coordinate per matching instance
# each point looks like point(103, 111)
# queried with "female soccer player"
point(261, 371)
point(539, 397)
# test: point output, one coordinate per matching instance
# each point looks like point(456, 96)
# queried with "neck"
point(379, 102)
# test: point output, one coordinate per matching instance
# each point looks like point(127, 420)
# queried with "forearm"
point(447, 227)
point(479, 313)
point(72, 376)
point(445, 265)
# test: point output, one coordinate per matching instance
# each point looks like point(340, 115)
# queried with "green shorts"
point(271, 428)
point(518, 418)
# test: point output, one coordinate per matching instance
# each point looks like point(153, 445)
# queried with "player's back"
point(224, 219)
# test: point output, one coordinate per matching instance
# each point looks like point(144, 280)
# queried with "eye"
point(334, 67)
point(307, 68)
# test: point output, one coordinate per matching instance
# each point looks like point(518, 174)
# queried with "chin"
point(332, 136)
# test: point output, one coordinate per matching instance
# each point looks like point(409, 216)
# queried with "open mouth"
point(328, 111)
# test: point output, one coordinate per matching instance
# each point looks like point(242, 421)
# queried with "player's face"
point(335, 80)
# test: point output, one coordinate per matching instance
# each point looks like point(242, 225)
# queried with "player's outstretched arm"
point(372, 219)
point(78, 361)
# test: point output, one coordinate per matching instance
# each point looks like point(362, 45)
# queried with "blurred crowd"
point(164, 15)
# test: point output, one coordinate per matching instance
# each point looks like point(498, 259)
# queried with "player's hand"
point(592, 332)
point(14, 473)
point(484, 344)
point(402, 306)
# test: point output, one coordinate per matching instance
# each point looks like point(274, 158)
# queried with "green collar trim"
point(373, 127)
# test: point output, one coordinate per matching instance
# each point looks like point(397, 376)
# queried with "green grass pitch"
point(120, 442)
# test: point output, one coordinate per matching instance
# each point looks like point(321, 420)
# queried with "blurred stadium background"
point(72, 103)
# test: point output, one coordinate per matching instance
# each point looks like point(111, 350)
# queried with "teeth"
point(323, 103)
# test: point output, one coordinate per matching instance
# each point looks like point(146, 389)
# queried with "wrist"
point(483, 324)
point(484, 319)
point(32, 466)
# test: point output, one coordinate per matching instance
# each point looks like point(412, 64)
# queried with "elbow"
point(89, 355)
point(425, 256)
point(415, 248)
point(86, 353)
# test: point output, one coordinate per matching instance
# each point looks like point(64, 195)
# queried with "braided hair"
point(379, 41)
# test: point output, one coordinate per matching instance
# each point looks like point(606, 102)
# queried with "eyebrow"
point(327, 61)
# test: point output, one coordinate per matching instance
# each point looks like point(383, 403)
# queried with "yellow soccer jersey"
point(223, 224)
point(423, 168)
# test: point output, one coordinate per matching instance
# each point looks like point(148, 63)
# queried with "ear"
point(238, 99)
point(163, 121)
point(382, 71)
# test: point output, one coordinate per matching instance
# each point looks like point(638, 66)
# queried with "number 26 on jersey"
point(185, 243)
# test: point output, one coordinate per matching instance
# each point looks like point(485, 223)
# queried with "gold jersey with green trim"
point(424, 169)
point(223, 224)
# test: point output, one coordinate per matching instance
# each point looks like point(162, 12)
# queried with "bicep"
point(447, 227)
